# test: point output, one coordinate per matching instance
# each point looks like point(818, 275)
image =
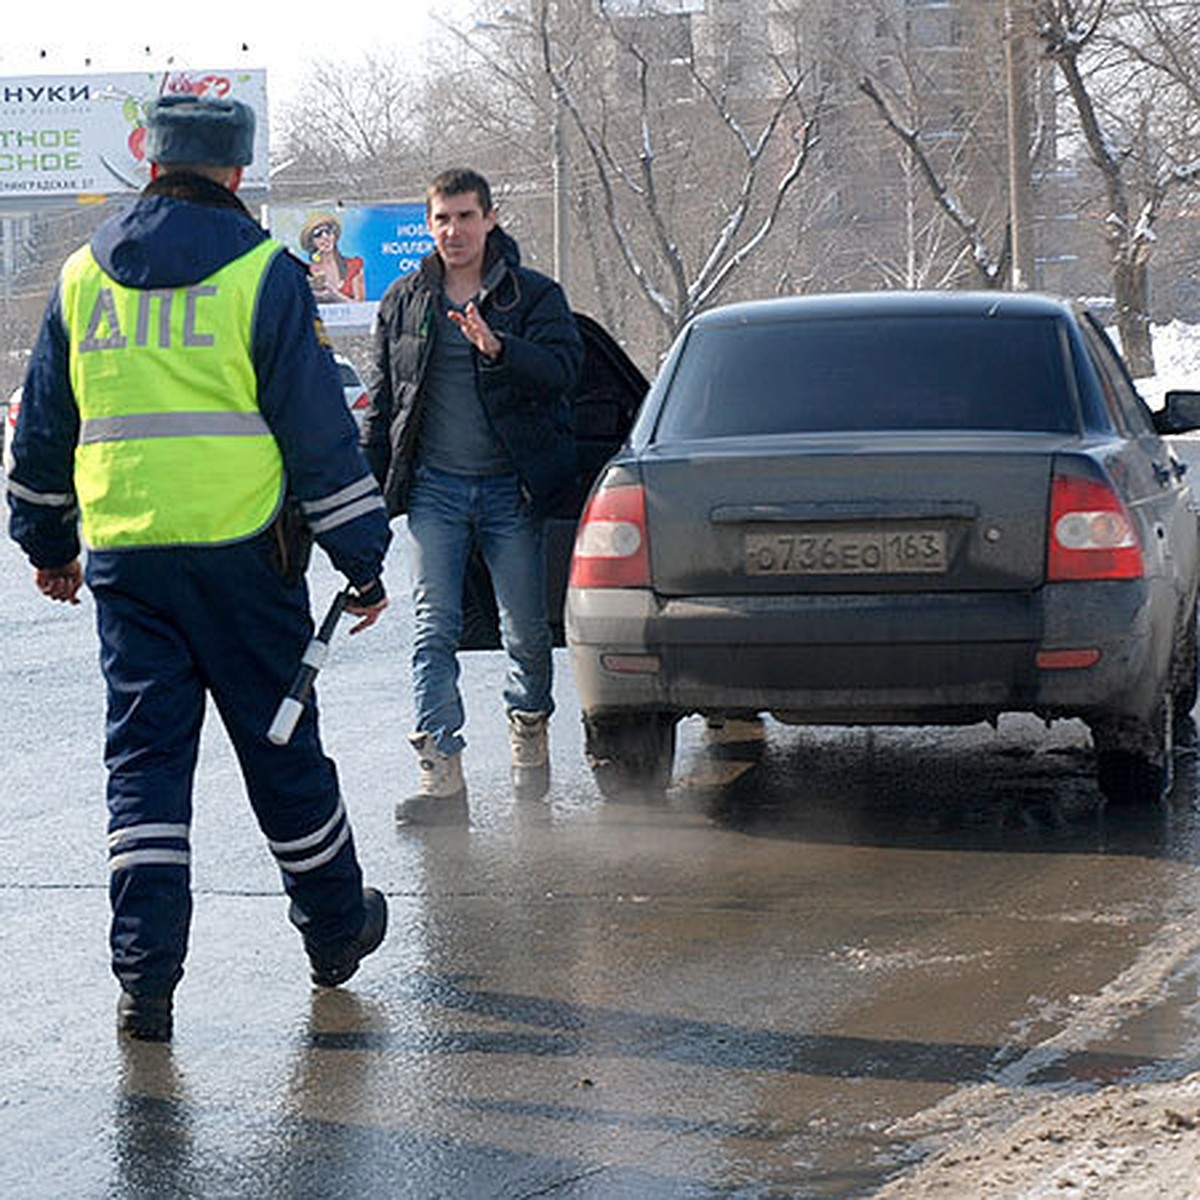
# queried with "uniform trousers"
point(177, 626)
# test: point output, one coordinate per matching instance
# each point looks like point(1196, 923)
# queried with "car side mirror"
point(1180, 414)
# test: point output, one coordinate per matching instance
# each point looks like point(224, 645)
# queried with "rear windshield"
point(895, 373)
point(349, 375)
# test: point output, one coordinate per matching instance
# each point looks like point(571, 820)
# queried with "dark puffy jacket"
point(525, 394)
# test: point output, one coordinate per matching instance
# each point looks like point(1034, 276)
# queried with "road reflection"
point(1019, 789)
point(152, 1124)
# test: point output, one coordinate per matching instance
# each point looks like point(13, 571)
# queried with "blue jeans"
point(447, 515)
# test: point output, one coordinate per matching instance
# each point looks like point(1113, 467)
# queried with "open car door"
point(605, 402)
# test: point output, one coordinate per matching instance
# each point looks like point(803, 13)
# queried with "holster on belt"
point(291, 543)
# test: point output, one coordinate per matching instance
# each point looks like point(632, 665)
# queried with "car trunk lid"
point(825, 514)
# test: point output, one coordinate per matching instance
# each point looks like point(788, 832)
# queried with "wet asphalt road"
point(821, 947)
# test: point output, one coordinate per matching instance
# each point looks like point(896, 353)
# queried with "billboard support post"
point(10, 259)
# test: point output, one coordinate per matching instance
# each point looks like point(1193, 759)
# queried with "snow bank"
point(1176, 361)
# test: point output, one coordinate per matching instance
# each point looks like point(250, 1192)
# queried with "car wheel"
point(1134, 758)
point(1183, 674)
point(631, 756)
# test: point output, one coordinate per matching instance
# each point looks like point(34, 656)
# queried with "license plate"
point(857, 552)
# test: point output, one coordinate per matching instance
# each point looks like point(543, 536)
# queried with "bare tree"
point(688, 173)
point(933, 76)
point(681, 143)
point(490, 107)
point(357, 140)
point(1115, 60)
point(990, 266)
point(765, 148)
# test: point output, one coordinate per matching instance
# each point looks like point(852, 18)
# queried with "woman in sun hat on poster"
point(335, 278)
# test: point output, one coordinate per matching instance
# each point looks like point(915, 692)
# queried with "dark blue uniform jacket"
point(167, 241)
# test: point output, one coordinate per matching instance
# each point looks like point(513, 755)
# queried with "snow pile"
point(1136, 1142)
point(1176, 361)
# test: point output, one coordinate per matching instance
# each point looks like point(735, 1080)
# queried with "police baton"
point(292, 705)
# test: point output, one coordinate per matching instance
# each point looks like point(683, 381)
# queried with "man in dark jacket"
point(470, 433)
point(179, 386)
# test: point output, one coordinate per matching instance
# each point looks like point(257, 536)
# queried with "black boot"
point(144, 1018)
point(331, 968)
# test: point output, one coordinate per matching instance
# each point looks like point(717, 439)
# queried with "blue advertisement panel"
point(354, 251)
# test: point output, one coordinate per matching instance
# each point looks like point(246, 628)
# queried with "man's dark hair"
point(455, 182)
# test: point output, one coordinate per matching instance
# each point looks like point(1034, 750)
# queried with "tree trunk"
point(1131, 293)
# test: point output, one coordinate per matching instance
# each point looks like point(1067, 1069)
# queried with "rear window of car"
point(349, 375)
point(893, 373)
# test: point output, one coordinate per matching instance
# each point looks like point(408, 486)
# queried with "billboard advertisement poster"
point(65, 136)
point(353, 251)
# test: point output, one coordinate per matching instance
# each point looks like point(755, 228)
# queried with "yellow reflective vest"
point(173, 449)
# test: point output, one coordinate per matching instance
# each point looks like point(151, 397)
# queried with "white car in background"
point(10, 424)
point(352, 388)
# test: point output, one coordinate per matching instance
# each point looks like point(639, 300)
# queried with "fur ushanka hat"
point(199, 131)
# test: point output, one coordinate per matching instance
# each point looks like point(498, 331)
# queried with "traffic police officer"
point(183, 407)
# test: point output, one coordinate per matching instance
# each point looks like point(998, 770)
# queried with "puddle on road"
point(1164, 1039)
point(1019, 788)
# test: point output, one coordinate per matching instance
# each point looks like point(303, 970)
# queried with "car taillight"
point(611, 549)
point(1091, 535)
point(361, 402)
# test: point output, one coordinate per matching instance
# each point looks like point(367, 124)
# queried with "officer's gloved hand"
point(368, 602)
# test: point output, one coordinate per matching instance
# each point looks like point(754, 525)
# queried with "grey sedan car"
point(890, 509)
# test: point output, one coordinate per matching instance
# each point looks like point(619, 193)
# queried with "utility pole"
point(560, 164)
point(1018, 19)
point(562, 191)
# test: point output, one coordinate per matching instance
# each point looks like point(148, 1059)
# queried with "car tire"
point(631, 756)
point(1134, 759)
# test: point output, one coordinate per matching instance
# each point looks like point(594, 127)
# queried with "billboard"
point(65, 136)
point(354, 251)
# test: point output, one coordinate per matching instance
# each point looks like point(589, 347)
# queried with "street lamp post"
point(1017, 17)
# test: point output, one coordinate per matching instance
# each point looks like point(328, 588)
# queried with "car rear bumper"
point(872, 659)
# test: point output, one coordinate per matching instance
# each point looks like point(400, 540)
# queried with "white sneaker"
point(528, 738)
point(441, 796)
